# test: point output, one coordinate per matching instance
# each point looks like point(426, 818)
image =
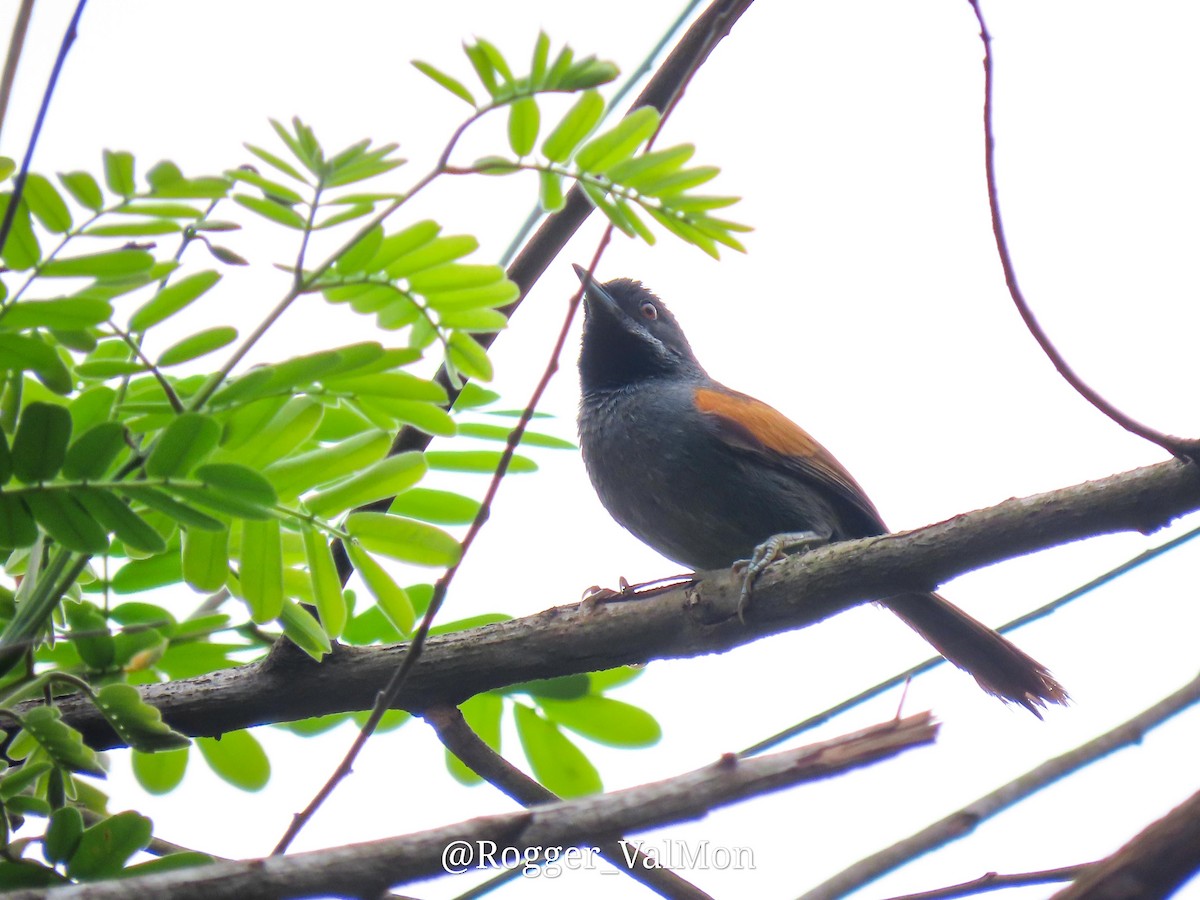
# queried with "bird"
point(710, 477)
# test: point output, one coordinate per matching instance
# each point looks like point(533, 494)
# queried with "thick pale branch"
point(367, 869)
point(690, 620)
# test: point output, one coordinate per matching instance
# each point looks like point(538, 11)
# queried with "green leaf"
point(241, 481)
point(65, 520)
point(238, 758)
point(437, 252)
point(17, 526)
point(483, 68)
point(684, 230)
point(171, 299)
point(541, 55)
point(261, 572)
point(178, 512)
point(400, 385)
point(110, 511)
point(39, 448)
point(354, 259)
point(550, 191)
point(556, 761)
point(394, 246)
point(62, 743)
point(273, 210)
point(145, 574)
point(280, 193)
point(675, 184)
point(63, 834)
point(89, 633)
point(287, 429)
point(160, 773)
point(439, 507)
point(199, 344)
point(524, 120)
point(274, 161)
point(71, 313)
point(453, 86)
point(148, 228)
point(21, 251)
point(385, 478)
point(619, 142)
point(482, 462)
point(94, 451)
point(21, 351)
point(108, 264)
point(139, 724)
point(47, 204)
point(650, 168)
point(468, 356)
point(187, 440)
point(499, 293)
point(605, 720)
point(500, 433)
point(118, 172)
point(403, 539)
point(574, 128)
point(327, 588)
point(205, 558)
point(392, 600)
point(106, 846)
point(303, 630)
point(294, 474)
point(427, 417)
point(83, 187)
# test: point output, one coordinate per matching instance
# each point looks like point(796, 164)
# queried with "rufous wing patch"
point(764, 424)
point(755, 426)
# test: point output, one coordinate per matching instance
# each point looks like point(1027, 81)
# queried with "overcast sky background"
point(870, 308)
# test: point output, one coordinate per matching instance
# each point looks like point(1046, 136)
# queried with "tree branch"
point(459, 738)
point(962, 822)
point(1153, 864)
point(367, 869)
point(675, 622)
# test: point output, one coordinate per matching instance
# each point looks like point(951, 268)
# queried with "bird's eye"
point(649, 311)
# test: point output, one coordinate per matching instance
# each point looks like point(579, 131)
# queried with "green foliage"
point(145, 445)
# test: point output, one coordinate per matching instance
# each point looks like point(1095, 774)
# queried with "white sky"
point(870, 308)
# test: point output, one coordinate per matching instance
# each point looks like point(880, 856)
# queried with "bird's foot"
point(596, 594)
point(766, 553)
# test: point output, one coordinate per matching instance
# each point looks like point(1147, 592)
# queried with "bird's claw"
point(765, 554)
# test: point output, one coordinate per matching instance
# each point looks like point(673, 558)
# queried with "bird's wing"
point(751, 425)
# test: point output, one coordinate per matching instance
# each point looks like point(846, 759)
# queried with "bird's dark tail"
point(997, 664)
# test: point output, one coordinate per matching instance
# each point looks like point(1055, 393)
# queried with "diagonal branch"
point(676, 622)
point(367, 869)
point(962, 822)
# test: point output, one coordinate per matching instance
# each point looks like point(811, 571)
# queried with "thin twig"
point(1183, 448)
point(933, 662)
point(993, 881)
point(15, 45)
point(458, 737)
point(963, 821)
point(14, 199)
